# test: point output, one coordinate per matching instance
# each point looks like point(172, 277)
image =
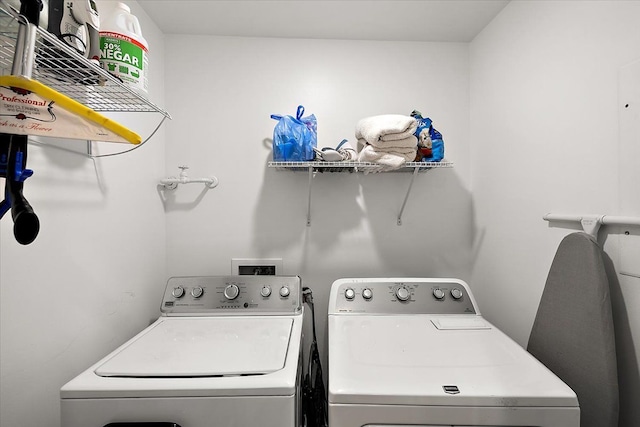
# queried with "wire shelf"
point(62, 68)
point(366, 167)
point(347, 166)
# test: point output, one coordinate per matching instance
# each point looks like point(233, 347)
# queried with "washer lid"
point(204, 347)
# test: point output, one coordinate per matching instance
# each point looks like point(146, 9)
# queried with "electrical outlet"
point(256, 266)
point(257, 270)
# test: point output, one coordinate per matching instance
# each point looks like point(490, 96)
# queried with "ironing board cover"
point(573, 331)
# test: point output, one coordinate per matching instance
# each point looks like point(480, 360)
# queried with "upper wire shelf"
point(63, 69)
point(346, 166)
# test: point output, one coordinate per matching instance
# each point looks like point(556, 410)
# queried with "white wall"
point(94, 275)
point(222, 92)
point(542, 117)
point(545, 138)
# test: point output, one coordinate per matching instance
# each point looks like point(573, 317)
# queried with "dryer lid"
point(449, 360)
point(204, 347)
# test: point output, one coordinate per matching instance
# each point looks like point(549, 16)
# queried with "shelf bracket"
point(309, 197)
point(348, 166)
point(406, 197)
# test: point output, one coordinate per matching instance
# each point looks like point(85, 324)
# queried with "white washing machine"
point(411, 351)
point(226, 351)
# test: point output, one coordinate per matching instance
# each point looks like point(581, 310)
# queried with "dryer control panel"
point(232, 295)
point(401, 296)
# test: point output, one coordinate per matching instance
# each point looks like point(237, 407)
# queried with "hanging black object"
point(31, 9)
point(314, 398)
point(13, 161)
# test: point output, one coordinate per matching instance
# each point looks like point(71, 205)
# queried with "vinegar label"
point(125, 58)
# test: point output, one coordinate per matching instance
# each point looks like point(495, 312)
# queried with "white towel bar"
point(591, 223)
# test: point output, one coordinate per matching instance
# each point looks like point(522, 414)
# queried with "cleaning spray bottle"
point(123, 50)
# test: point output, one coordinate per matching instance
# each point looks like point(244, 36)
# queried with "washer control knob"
point(367, 294)
point(231, 291)
point(178, 292)
point(265, 291)
point(197, 292)
point(438, 293)
point(403, 294)
point(349, 294)
point(284, 292)
point(456, 293)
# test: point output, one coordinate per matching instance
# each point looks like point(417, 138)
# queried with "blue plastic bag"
point(294, 138)
point(430, 142)
point(437, 146)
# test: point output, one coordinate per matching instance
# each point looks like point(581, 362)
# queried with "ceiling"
point(393, 20)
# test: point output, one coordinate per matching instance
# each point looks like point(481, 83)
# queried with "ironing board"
point(573, 332)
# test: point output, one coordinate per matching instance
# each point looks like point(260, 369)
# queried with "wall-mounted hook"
point(172, 182)
point(591, 223)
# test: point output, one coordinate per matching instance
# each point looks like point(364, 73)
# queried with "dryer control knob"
point(178, 292)
point(349, 293)
point(456, 293)
point(367, 293)
point(265, 291)
point(284, 292)
point(403, 294)
point(197, 292)
point(231, 291)
point(438, 293)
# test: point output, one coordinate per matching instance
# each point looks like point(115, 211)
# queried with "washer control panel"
point(233, 295)
point(401, 296)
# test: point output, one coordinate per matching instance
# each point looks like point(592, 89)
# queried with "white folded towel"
point(409, 142)
point(386, 127)
point(388, 159)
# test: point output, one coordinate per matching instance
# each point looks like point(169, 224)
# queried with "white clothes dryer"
point(417, 352)
point(226, 350)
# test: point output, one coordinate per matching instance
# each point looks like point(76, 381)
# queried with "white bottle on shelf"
point(123, 50)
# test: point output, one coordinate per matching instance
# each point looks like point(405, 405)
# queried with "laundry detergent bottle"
point(123, 51)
